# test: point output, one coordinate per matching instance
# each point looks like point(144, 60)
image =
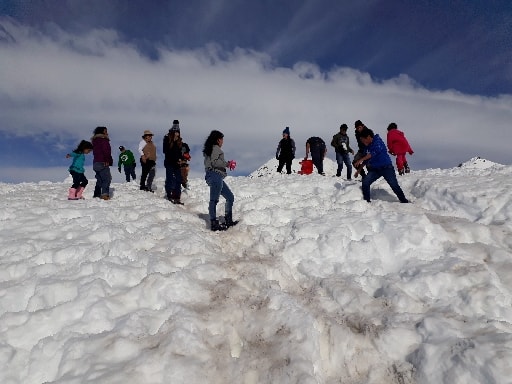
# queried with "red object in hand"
point(186, 156)
point(231, 164)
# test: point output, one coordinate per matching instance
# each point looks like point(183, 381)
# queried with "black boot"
point(229, 221)
point(216, 226)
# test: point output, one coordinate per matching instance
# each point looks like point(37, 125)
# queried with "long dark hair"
point(99, 130)
point(211, 141)
point(83, 146)
point(178, 142)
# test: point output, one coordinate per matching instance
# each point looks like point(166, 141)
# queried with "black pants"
point(148, 172)
point(282, 162)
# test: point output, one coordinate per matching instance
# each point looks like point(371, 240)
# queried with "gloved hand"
point(119, 169)
point(411, 152)
point(277, 156)
point(231, 164)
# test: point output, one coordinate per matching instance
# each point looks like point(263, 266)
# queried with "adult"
point(316, 146)
point(172, 147)
point(102, 161)
point(147, 152)
point(285, 152)
point(341, 144)
point(379, 165)
point(215, 172)
point(359, 126)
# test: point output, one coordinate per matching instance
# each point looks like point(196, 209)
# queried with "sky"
point(440, 70)
point(314, 284)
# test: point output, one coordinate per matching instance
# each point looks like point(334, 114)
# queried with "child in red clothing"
point(398, 146)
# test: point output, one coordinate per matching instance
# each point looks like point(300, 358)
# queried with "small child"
point(127, 159)
point(77, 170)
point(398, 146)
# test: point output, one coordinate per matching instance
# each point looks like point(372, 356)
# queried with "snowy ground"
point(314, 285)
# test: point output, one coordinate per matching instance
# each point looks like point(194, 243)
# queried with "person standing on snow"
point(185, 152)
point(172, 147)
point(316, 146)
point(399, 146)
point(215, 172)
point(285, 152)
point(101, 163)
point(127, 159)
point(359, 126)
point(379, 165)
point(341, 144)
point(77, 170)
point(147, 151)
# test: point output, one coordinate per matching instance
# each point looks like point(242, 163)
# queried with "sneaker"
point(177, 201)
point(105, 197)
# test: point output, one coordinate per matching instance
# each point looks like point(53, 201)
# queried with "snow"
point(314, 285)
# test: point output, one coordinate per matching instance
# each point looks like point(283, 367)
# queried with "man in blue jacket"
point(378, 164)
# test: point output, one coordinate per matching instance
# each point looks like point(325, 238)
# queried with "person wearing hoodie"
point(101, 163)
point(215, 172)
point(285, 152)
point(398, 146)
point(379, 164)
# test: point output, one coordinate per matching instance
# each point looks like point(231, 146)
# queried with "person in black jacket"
point(316, 146)
point(359, 126)
point(172, 148)
point(285, 152)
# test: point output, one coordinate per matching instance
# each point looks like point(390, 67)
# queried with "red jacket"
point(397, 143)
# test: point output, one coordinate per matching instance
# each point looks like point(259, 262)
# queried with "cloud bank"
point(61, 85)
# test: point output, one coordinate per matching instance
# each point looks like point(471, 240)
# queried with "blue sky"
point(440, 69)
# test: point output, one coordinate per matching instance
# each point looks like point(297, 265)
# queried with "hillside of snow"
point(314, 285)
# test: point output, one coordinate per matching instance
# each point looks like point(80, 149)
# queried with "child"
point(77, 170)
point(127, 159)
point(398, 146)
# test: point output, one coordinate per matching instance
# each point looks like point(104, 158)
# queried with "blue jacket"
point(379, 152)
point(78, 162)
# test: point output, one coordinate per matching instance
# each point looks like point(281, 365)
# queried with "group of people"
point(372, 153)
point(176, 158)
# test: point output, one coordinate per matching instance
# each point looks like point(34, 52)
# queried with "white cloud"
point(68, 84)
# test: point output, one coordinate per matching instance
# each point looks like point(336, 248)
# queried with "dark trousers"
point(148, 172)
point(388, 173)
point(318, 161)
point(79, 180)
point(103, 179)
point(129, 170)
point(282, 162)
point(173, 182)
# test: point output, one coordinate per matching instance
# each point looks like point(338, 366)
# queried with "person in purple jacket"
point(101, 163)
point(378, 164)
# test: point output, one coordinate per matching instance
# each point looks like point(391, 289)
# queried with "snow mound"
point(270, 168)
point(478, 163)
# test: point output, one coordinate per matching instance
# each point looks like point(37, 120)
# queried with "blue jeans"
point(103, 179)
point(388, 173)
point(344, 158)
point(173, 182)
point(217, 188)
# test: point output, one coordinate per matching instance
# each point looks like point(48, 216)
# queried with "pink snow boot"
point(72, 194)
point(79, 193)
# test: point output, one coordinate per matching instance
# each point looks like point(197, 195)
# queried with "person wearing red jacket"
point(398, 146)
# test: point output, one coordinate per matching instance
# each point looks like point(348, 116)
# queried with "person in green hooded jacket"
point(127, 159)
